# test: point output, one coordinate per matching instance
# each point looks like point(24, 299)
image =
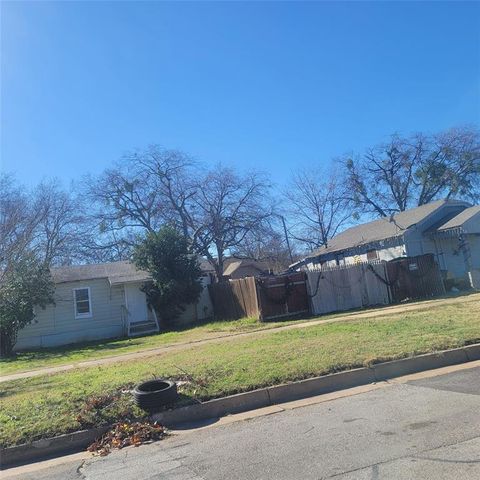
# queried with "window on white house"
point(372, 255)
point(83, 304)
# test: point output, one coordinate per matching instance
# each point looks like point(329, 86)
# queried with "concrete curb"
point(473, 352)
point(269, 396)
point(50, 447)
point(265, 397)
point(252, 400)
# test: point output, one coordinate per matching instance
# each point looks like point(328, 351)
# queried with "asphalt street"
point(423, 429)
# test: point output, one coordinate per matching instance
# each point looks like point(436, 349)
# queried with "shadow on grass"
point(79, 348)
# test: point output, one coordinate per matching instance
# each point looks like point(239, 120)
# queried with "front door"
point(136, 303)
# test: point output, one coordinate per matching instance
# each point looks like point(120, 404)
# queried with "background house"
point(240, 268)
point(235, 268)
point(100, 301)
point(449, 229)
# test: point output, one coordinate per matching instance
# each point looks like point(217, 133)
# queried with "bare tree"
point(47, 222)
point(317, 207)
point(414, 170)
point(61, 230)
point(267, 244)
point(18, 221)
point(175, 177)
point(228, 206)
point(144, 191)
point(214, 209)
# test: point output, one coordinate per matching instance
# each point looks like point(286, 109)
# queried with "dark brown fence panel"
point(414, 277)
point(234, 299)
point(282, 296)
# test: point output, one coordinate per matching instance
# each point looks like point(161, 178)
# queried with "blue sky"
point(270, 86)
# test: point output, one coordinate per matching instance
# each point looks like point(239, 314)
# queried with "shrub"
point(175, 272)
point(24, 284)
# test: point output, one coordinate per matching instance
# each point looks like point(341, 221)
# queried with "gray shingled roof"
point(382, 228)
point(115, 272)
point(460, 219)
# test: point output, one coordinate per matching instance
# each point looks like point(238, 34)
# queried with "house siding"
point(57, 325)
point(351, 258)
point(202, 310)
point(450, 257)
point(474, 243)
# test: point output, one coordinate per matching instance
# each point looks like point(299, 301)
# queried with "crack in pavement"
point(375, 466)
point(444, 460)
point(79, 468)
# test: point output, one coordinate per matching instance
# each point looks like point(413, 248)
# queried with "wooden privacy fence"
point(348, 287)
point(414, 277)
point(329, 289)
point(234, 299)
point(265, 298)
point(375, 283)
point(282, 296)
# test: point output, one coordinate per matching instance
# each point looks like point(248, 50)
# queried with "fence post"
point(257, 299)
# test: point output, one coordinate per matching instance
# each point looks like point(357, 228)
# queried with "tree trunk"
point(219, 263)
point(6, 345)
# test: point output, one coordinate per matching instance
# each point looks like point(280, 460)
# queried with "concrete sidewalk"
point(380, 312)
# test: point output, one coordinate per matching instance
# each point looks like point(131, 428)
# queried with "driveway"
point(422, 428)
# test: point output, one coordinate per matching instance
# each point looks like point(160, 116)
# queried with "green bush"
point(175, 272)
point(24, 284)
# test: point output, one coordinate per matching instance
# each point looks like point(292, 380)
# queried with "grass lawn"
point(50, 357)
point(53, 404)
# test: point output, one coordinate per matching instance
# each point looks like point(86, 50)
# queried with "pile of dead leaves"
point(124, 434)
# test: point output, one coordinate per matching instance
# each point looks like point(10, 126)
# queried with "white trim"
point(82, 315)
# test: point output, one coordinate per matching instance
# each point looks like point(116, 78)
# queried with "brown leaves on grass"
point(91, 410)
point(124, 434)
point(108, 408)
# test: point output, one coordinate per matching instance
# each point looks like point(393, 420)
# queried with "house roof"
point(205, 265)
point(462, 218)
point(233, 266)
point(383, 228)
point(115, 272)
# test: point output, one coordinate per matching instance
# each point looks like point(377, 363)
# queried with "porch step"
point(142, 328)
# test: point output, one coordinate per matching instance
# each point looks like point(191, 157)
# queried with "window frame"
point(82, 315)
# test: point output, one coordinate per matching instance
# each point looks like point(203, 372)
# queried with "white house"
point(450, 229)
point(100, 301)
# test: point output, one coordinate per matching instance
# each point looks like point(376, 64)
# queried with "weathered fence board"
point(331, 289)
point(264, 298)
point(234, 299)
point(377, 283)
point(348, 287)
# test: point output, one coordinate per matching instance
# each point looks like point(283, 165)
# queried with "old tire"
point(151, 396)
